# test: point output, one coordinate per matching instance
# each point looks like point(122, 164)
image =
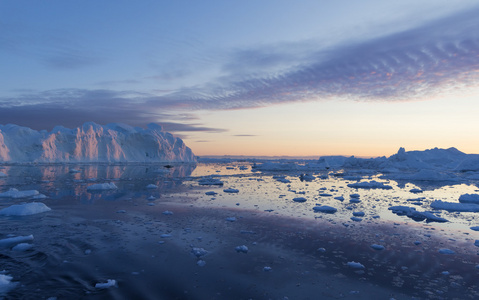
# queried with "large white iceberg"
point(91, 142)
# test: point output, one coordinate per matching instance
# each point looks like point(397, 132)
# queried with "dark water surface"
point(124, 234)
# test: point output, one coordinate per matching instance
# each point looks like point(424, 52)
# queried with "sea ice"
point(469, 198)
point(201, 263)
point(6, 283)
point(25, 209)
point(167, 213)
point(105, 285)
point(10, 242)
point(452, 206)
point(299, 199)
point(475, 228)
point(211, 193)
point(446, 251)
point(241, 249)
point(358, 214)
point(370, 185)
point(355, 265)
point(152, 186)
point(356, 219)
point(198, 252)
point(412, 213)
point(22, 247)
point(15, 194)
point(377, 247)
point(231, 219)
point(102, 186)
point(230, 190)
point(325, 209)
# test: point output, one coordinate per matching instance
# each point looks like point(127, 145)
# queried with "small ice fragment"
point(12, 241)
point(358, 214)
point(476, 243)
point(209, 181)
point(377, 247)
point(322, 250)
point(22, 247)
point(151, 204)
point(121, 211)
point(299, 199)
point(151, 198)
point(25, 209)
point(165, 235)
point(417, 243)
point(340, 198)
point(445, 273)
point(105, 285)
point(415, 191)
point(199, 252)
point(356, 219)
point(231, 219)
point(267, 269)
point(475, 228)
point(354, 196)
point(87, 251)
point(152, 186)
point(446, 251)
point(325, 209)
point(354, 200)
point(6, 284)
point(201, 263)
point(355, 265)
point(102, 187)
point(167, 213)
point(230, 190)
point(211, 193)
point(242, 249)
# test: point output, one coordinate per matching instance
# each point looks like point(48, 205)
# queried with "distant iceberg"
point(92, 142)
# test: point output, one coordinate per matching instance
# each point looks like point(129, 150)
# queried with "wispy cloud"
point(407, 65)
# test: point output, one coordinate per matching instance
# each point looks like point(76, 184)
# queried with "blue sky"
point(249, 77)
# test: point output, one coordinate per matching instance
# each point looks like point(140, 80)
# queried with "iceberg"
point(15, 194)
point(92, 142)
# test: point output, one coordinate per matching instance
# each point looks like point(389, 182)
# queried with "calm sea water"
point(145, 239)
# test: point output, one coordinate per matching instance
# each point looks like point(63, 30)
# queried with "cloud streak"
point(408, 65)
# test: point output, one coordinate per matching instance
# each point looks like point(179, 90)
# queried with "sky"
point(253, 78)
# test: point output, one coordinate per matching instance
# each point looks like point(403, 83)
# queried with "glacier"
point(91, 142)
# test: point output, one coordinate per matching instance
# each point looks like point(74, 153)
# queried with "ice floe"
point(210, 181)
point(355, 265)
point(412, 213)
point(469, 198)
point(102, 187)
point(24, 209)
point(152, 186)
point(15, 194)
point(299, 199)
point(231, 190)
point(241, 249)
point(6, 283)
point(377, 247)
point(104, 285)
point(453, 206)
point(325, 209)
point(370, 185)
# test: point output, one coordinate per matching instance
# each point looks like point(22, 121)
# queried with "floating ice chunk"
point(445, 273)
point(210, 181)
point(370, 185)
point(152, 186)
point(22, 247)
point(469, 198)
point(199, 252)
point(25, 209)
point(10, 242)
point(412, 213)
point(15, 194)
point(355, 265)
point(475, 228)
point(325, 209)
point(230, 190)
point(417, 243)
point(211, 193)
point(167, 213)
point(201, 263)
point(358, 214)
point(241, 249)
point(151, 198)
point(415, 191)
point(283, 180)
point(377, 247)
point(105, 285)
point(476, 243)
point(452, 206)
point(354, 196)
point(87, 252)
point(356, 219)
point(354, 200)
point(322, 250)
point(39, 197)
point(340, 198)
point(325, 195)
point(102, 187)
point(231, 219)
point(6, 283)
point(446, 251)
point(306, 177)
point(299, 199)
point(272, 166)
point(267, 269)
point(165, 235)
point(121, 211)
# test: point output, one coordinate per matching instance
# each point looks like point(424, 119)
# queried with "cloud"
point(407, 65)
